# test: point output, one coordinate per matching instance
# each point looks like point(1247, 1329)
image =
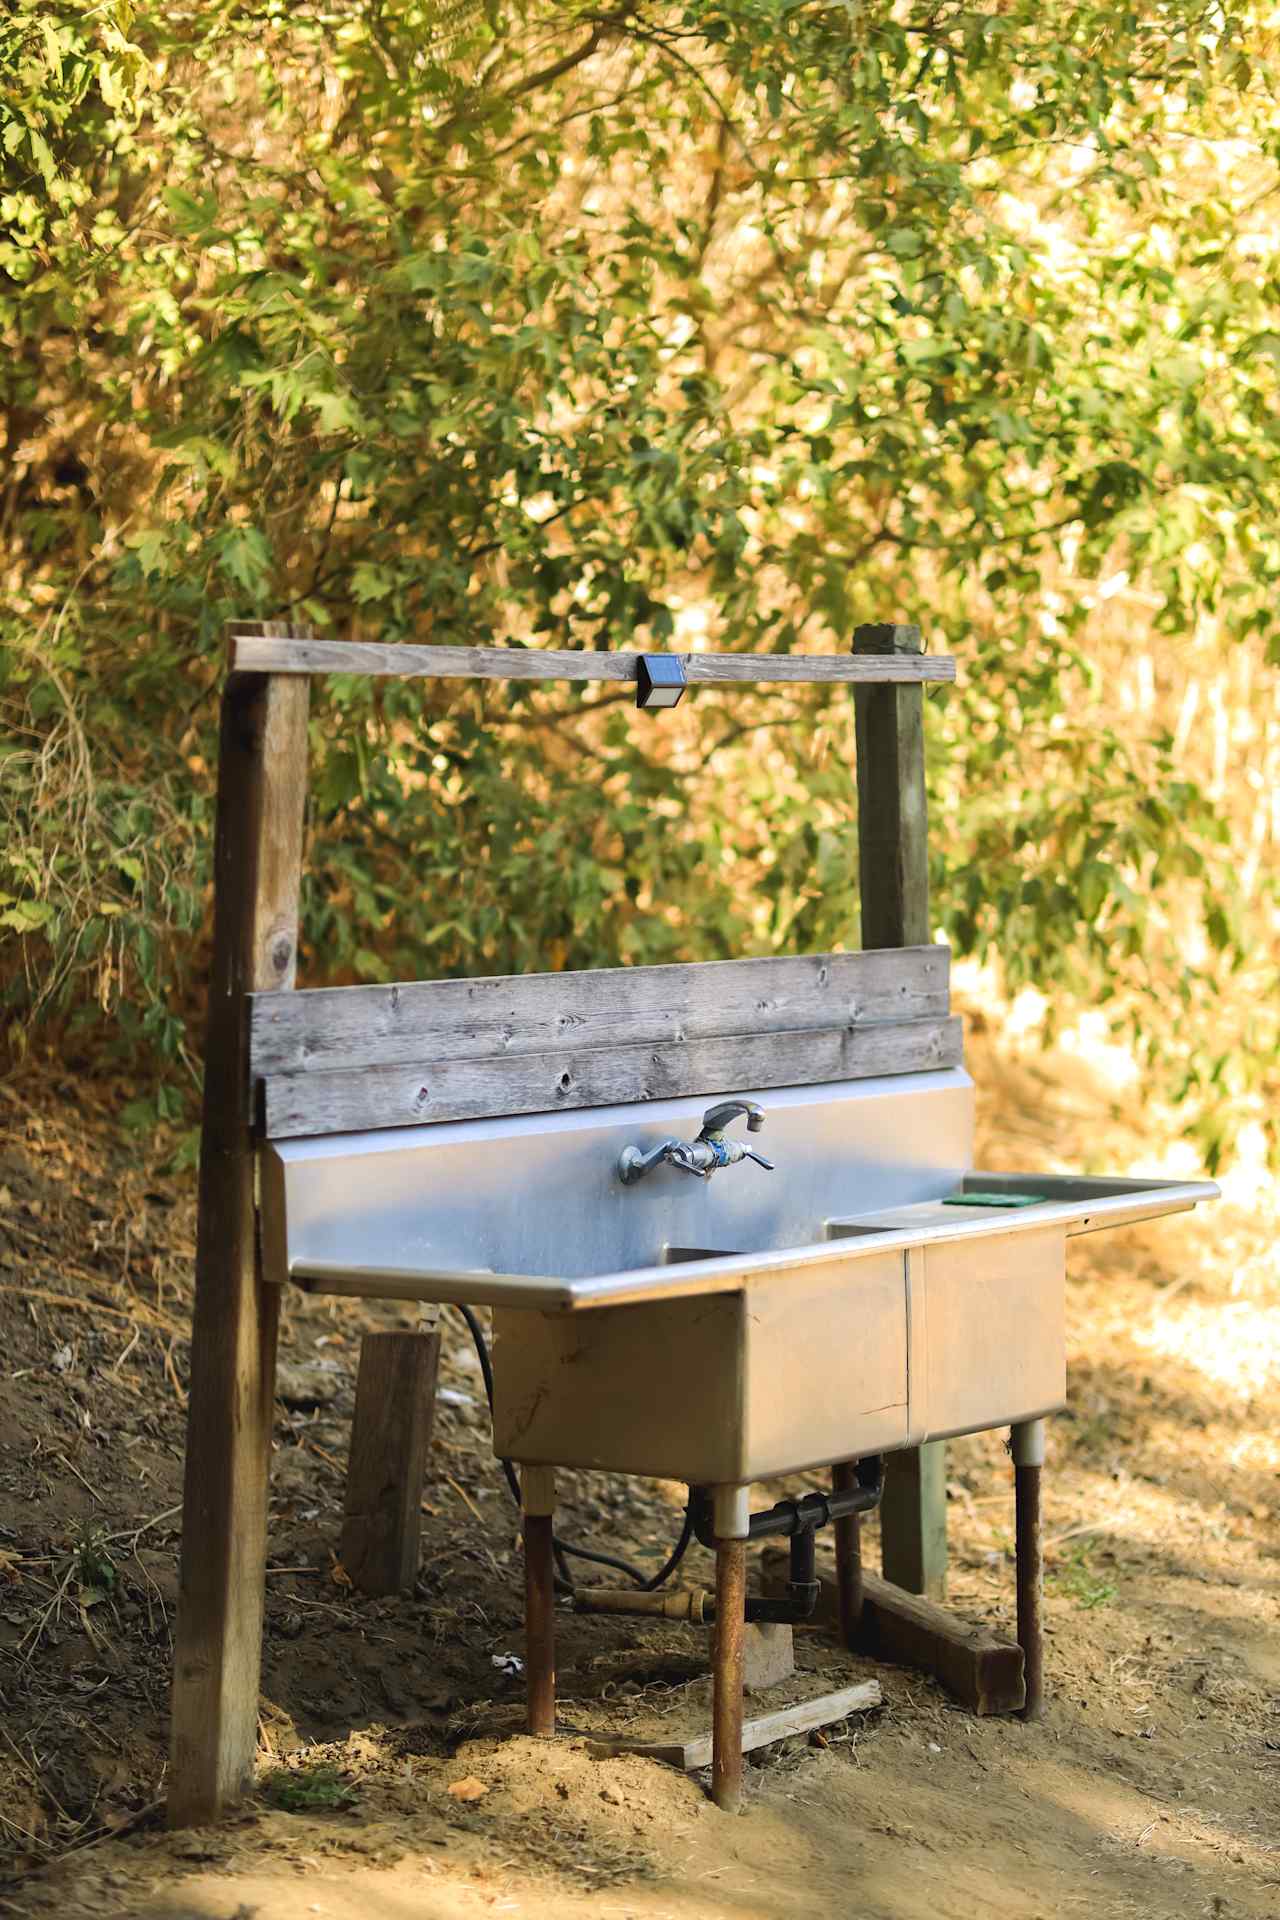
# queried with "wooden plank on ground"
point(390, 1440)
point(893, 869)
point(257, 863)
point(267, 653)
point(327, 1028)
point(761, 1731)
point(309, 1104)
point(980, 1669)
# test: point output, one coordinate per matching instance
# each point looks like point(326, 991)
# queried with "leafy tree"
point(727, 324)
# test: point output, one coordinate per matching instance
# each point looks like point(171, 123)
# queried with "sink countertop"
point(1077, 1204)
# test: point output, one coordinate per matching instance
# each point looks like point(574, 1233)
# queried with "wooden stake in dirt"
point(262, 761)
point(538, 1496)
point(390, 1440)
point(893, 866)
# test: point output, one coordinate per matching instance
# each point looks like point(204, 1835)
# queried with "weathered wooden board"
point(758, 1732)
point(262, 769)
point(981, 1670)
point(449, 1089)
point(329, 1028)
point(264, 653)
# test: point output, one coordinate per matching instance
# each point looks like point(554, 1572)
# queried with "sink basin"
point(723, 1330)
point(912, 1324)
point(529, 1209)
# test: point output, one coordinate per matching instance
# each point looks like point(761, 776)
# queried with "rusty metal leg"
point(538, 1499)
point(731, 1608)
point(848, 1532)
point(1028, 1464)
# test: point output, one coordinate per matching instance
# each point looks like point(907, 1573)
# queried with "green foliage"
point(95, 1567)
point(1077, 1579)
point(318, 1788)
point(545, 324)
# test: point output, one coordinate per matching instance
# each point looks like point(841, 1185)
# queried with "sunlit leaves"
point(704, 322)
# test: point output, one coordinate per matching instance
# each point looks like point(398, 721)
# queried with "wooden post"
point(893, 859)
point(913, 1519)
point(262, 761)
point(390, 1439)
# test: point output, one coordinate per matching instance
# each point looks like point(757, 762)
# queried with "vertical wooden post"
point(262, 760)
point(390, 1439)
point(893, 859)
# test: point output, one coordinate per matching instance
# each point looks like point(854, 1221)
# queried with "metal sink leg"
point(537, 1502)
point(1027, 1442)
point(732, 1519)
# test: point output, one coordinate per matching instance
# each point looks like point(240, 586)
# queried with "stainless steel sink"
point(910, 1324)
point(721, 1330)
point(524, 1209)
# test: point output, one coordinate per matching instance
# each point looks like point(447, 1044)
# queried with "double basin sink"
point(871, 1293)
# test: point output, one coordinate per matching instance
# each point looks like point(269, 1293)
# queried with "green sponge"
point(992, 1200)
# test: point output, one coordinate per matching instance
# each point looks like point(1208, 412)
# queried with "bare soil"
point(1152, 1788)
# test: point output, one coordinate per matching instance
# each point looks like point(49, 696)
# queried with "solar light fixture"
point(660, 679)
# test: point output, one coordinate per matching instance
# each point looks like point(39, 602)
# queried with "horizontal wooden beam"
point(328, 1029)
point(446, 1088)
point(980, 1669)
point(265, 653)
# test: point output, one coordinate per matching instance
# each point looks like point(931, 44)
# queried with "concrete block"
point(769, 1656)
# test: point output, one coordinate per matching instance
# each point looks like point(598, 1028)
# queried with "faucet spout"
point(716, 1118)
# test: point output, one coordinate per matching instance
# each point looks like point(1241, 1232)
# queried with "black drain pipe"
point(797, 1521)
point(801, 1597)
point(790, 1517)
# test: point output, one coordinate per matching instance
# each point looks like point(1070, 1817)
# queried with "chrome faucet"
point(704, 1155)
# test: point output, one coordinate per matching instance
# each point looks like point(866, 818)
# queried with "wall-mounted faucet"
point(703, 1156)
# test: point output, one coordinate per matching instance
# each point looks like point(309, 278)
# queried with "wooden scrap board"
point(761, 1731)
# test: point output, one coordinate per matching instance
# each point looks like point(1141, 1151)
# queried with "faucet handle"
point(719, 1116)
point(680, 1155)
point(749, 1153)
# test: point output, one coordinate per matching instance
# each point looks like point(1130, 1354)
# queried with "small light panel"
point(660, 679)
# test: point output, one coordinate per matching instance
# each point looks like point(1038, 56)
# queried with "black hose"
point(559, 1547)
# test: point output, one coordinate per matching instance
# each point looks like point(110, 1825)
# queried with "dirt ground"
point(1152, 1788)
